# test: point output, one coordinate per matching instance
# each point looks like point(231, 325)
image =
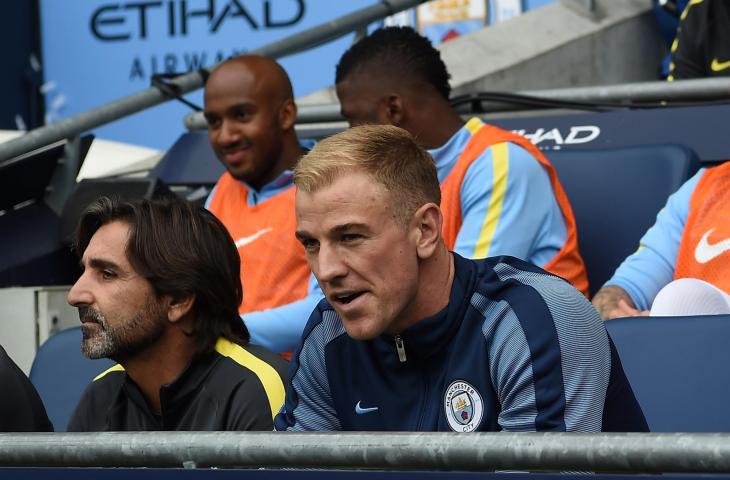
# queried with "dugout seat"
point(616, 195)
point(677, 367)
point(60, 373)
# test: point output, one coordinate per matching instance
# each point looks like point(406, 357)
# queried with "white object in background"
point(18, 325)
point(28, 316)
point(48, 87)
point(690, 296)
point(20, 123)
point(6, 135)
point(401, 19)
point(506, 9)
point(440, 11)
point(106, 157)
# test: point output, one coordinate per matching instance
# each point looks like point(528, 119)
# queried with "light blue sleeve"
point(210, 197)
point(645, 272)
point(280, 329)
point(516, 193)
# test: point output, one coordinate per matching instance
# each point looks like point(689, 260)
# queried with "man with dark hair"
point(500, 194)
point(250, 109)
point(159, 295)
point(414, 337)
point(21, 409)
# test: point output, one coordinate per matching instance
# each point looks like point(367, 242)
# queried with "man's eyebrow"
point(246, 105)
point(99, 264)
point(230, 109)
point(336, 230)
point(301, 235)
point(346, 227)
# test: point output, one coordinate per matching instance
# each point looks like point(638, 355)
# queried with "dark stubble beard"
point(124, 340)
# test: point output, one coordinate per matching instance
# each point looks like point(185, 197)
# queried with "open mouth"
point(347, 298)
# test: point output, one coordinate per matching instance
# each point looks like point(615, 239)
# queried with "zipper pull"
point(401, 348)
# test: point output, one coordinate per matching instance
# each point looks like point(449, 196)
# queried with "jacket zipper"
point(401, 348)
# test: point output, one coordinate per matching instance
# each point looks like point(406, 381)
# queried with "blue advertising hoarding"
point(97, 51)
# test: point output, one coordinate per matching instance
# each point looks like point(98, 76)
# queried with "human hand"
point(612, 301)
point(625, 310)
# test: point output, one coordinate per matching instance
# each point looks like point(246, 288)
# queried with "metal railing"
point(645, 453)
point(696, 90)
point(150, 97)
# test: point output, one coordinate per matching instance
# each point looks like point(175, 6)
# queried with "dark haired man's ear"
point(287, 114)
point(394, 109)
point(179, 307)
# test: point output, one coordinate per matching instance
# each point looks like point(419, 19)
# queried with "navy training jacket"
point(516, 349)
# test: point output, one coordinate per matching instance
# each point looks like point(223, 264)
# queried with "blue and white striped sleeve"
point(549, 354)
point(651, 267)
point(508, 208)
point(308, 405)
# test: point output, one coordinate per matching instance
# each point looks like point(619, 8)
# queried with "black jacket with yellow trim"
point(702, 45)
point(230, 388)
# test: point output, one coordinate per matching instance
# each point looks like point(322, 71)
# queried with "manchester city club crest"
point(464, 407)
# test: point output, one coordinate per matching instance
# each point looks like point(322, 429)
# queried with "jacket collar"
point(175, 396)
point(432, 334)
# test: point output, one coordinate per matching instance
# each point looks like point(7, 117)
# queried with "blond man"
point(412, 336)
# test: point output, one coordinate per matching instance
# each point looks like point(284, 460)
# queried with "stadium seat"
point(616, 195)
point(60, 373)
point(677, 367)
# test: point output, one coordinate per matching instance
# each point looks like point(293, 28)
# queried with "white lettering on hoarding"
point(578, 134)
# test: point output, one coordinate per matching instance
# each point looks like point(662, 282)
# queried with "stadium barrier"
point(618, 452)
point(695, 90)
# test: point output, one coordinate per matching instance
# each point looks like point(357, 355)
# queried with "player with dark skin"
point(372, 95)
point(250, 110)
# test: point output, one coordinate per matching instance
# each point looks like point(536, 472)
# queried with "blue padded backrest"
point(60, 373)
point(190, 161)
point(678, 369)
point(616, 195)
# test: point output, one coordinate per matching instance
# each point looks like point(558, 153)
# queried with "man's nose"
point(229, 133)
point(330, 264)
point(80, 294)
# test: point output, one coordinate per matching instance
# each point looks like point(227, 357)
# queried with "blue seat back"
point(190, 161)
point(60, 373)
point(678, 369)
point(616, 195)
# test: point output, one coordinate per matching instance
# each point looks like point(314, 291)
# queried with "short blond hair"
point(390, 155)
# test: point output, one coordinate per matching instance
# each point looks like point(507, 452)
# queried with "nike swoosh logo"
point(719, 66)
point(360, 410)
point(243, 241)
point(706, 251)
